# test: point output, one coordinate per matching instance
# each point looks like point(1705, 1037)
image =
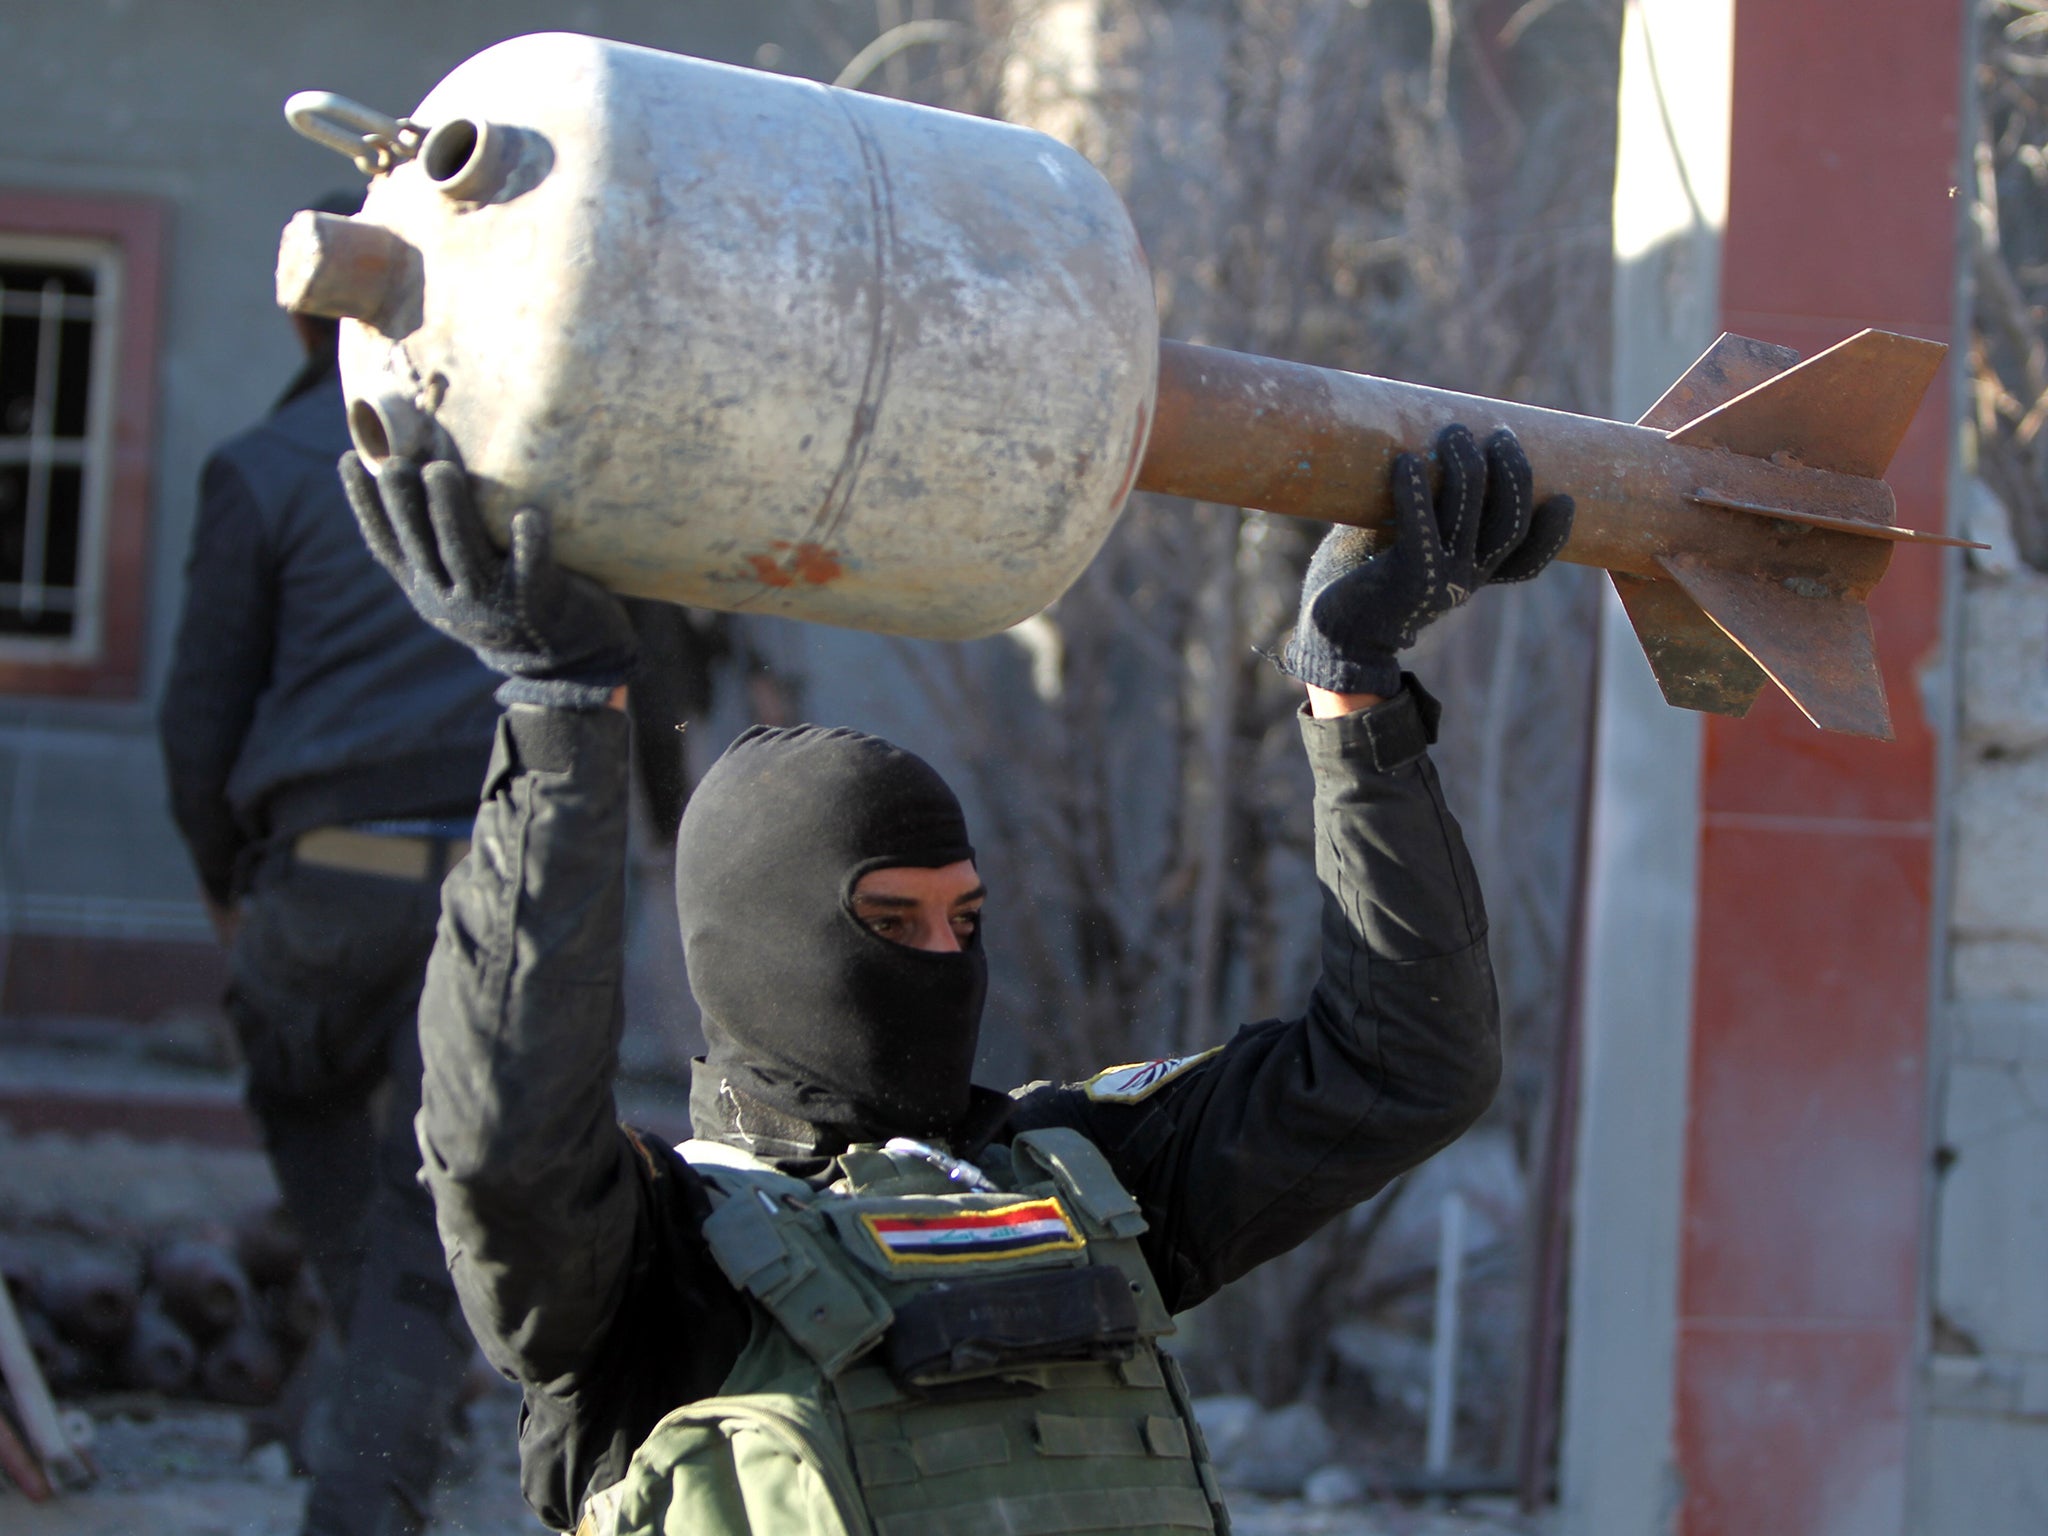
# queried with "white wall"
point(1983, 1431)
point(1670, 205)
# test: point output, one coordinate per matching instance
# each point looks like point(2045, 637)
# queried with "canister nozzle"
point(468, 160)
point(348, 269)
point(388, 424)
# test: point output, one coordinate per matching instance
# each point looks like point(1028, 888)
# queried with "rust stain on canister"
point(811, 563)
point(816, 564)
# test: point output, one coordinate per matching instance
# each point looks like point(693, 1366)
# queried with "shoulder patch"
point(1141, 1079)
point(967, 1233)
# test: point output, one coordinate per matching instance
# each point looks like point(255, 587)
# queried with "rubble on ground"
point(177, 1464)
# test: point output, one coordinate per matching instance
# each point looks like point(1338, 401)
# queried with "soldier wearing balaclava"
point(819, 1033)
point(867, 1294)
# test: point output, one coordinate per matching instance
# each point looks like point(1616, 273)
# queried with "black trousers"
point(324, 988)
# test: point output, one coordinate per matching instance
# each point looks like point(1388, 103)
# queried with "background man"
point(831, 913)
point(323, 748)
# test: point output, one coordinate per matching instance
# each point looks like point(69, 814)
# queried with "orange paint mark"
point(817, 564)
point(812, 563)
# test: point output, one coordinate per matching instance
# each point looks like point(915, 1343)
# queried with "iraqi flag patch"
point(1141, 1079)
point(967, 1236)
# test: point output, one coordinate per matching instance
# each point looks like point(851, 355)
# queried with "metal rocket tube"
point(1745, 539)
point(1314, 442)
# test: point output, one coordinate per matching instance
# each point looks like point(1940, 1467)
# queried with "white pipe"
point(1443, 1356)
point(41, 1424)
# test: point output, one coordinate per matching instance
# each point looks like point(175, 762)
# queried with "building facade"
point(145, 171)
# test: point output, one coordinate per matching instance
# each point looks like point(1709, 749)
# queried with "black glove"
point(560, 638)
point(1359, 608)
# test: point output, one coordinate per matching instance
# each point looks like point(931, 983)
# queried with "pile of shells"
point(219, 1315)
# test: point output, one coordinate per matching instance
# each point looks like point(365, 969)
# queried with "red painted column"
point(1804, 1155)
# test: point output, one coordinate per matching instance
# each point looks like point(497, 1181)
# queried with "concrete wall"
point(1983, 1454)
point(1617, 1471)
point(178, 101)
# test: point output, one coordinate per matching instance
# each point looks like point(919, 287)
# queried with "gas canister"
point(754, 343)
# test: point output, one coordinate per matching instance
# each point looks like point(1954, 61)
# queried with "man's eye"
point(967, 923)
point(883, 924)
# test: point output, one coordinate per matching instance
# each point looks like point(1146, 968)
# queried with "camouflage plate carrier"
point(929, 1360)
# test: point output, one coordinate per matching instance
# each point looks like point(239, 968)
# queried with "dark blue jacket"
point(304, 690)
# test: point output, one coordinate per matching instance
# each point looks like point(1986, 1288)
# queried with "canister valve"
point(375, 141)
point(349, 269)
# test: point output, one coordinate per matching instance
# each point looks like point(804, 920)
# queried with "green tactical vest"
point(928, 1360)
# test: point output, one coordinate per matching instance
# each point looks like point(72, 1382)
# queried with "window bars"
point(56, 307)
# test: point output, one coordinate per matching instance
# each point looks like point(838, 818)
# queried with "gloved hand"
point(560, 638)
point(1359, 608)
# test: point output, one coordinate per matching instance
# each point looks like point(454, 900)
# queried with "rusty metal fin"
point(1695, 663)
point(1844, 410)
point(1816, 646)
point(1732, 366)
point(1889, 532)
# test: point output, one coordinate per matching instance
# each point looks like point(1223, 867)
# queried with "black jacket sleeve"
point(574, 1244)
point(1241, 1156)
point(219, 667)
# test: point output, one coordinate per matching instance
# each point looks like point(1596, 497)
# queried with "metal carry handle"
point(375, 142)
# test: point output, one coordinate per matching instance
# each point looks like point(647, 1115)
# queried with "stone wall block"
point(2034, 1386)
point(2005, 969)
point(1974, 1383)
point(2001, 849)
point(2000, 1033)
point(1984, 1475)
point(2005, 662)
point(1992, 1226)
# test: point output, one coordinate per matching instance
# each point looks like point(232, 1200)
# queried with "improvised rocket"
point(762, 345)
point(1742, 518)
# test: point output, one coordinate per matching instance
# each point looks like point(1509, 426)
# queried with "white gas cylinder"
point(755, 343)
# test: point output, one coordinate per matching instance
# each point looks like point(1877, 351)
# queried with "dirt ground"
point(181, 1469)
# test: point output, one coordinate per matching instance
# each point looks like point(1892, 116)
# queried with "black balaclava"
point(807, 1015)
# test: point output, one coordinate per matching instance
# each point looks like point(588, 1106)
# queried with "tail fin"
point(1732, 366)
point(1845, 410)
point(1695, 663)
point(1814, 644)
point(1713, 635)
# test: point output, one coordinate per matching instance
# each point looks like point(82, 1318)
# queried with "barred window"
point(57, 302)
point(80, 302)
